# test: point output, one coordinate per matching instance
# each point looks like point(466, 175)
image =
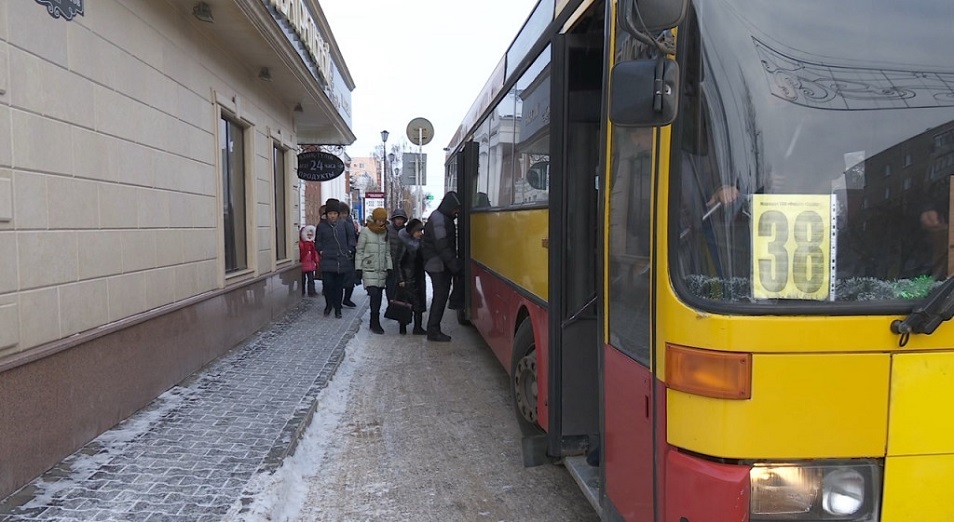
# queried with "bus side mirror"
point(652, 16)
point(644, 93)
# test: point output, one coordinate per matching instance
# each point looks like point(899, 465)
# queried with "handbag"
point(399, 311)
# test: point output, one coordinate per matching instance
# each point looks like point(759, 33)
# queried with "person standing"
point(335, 243)
point(308, 256)
point(398, 220)
point(351, 280)
point(374, 262)
point(410, 274)
point(439, 248)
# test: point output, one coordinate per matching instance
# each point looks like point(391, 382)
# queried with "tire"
point(523, 379)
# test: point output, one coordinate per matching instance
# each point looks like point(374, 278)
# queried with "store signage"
point(296, 13)
point(65, 8)
point(319, 166)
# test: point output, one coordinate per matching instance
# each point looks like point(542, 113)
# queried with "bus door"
point(461, 172)
point(574, 265)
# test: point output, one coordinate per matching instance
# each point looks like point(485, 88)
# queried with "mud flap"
point(535, 450)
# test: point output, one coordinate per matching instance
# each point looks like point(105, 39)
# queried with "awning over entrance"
point(293, 50)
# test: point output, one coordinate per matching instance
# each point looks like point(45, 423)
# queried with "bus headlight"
point(817, 491)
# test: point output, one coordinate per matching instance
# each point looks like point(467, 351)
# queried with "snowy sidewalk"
point(190, 455)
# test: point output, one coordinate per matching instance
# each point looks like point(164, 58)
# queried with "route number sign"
point(792, 246)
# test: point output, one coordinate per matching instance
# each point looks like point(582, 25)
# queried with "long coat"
point(373, 257)
point(411, 272)
point(335, 245)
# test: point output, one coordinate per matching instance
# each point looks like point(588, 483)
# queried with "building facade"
point(149, 207)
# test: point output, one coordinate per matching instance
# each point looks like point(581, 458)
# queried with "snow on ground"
point(279, 496)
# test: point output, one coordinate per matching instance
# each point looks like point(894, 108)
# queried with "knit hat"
point(398, 213)
point(331, 205)
point(379, 214)
point(414, 225)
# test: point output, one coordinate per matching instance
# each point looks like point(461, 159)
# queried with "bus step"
point(587, 477)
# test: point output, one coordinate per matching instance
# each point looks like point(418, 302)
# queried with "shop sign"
point(65, 8)
point(319, 166)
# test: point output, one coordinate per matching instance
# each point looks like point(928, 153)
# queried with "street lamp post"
point(384, 168)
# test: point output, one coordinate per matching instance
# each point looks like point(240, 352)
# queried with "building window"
point(281, 238)
point(887, 170)
point(908, 160)
point(232, 145)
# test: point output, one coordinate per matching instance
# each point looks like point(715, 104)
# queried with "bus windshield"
point(812, 156)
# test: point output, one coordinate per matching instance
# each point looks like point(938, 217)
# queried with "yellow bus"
point(708, 241)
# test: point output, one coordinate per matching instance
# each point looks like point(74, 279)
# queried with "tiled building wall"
point(109, 182)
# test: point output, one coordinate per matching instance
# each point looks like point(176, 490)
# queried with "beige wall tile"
point(265, 261)
point(118, 115)
point(139, 250)
point(6, 197)
point(181, 209)
point(195, 278)
point(30, 89)
point(46, 258)
point(118, 206)
point(9, 272)
point(91, 155)
point(194, 109)
point(135, 164)
point(169, 247)
point(31, 138)
point(30, 201)
point(3, 21)
point(154, 208)
point(4, 70)
point(31, 28)
point(39, 320)
point(199, 244)
point(83, 306)
point(206, 212)
point(6, 132)
point(159, 287)
point(100, 253)
point(73, 203)
point(265, 238)
point(9, 318)
point(126, 296)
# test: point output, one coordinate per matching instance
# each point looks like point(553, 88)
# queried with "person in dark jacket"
point(398, 220)
point(352, 279)
point(441, 263)
point(335, 243)
point(411, 286)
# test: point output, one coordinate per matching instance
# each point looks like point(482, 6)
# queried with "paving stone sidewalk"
point(189, 455)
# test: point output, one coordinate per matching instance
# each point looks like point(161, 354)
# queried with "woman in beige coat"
point(373, 261)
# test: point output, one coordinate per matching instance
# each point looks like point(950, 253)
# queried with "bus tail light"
point(722, 375)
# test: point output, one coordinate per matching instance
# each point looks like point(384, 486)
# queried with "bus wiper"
point(937, 307)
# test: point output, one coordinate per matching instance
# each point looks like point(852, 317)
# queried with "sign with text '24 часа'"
point(319, 166)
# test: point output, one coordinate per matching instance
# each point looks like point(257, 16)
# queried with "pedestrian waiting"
point(411, 287)
point(374, 262)
point(335, 244)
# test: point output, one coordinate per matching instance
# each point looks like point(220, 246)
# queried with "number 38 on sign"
point(792, 246)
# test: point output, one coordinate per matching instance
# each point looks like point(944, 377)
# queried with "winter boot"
point(403, 329)
point(418, 320)
point(376, 324)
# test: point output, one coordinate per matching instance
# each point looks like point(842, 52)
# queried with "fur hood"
point(308, 233)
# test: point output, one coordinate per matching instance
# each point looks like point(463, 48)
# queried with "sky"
point(419, 58)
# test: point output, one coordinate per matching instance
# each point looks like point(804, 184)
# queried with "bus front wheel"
point(523, 378)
